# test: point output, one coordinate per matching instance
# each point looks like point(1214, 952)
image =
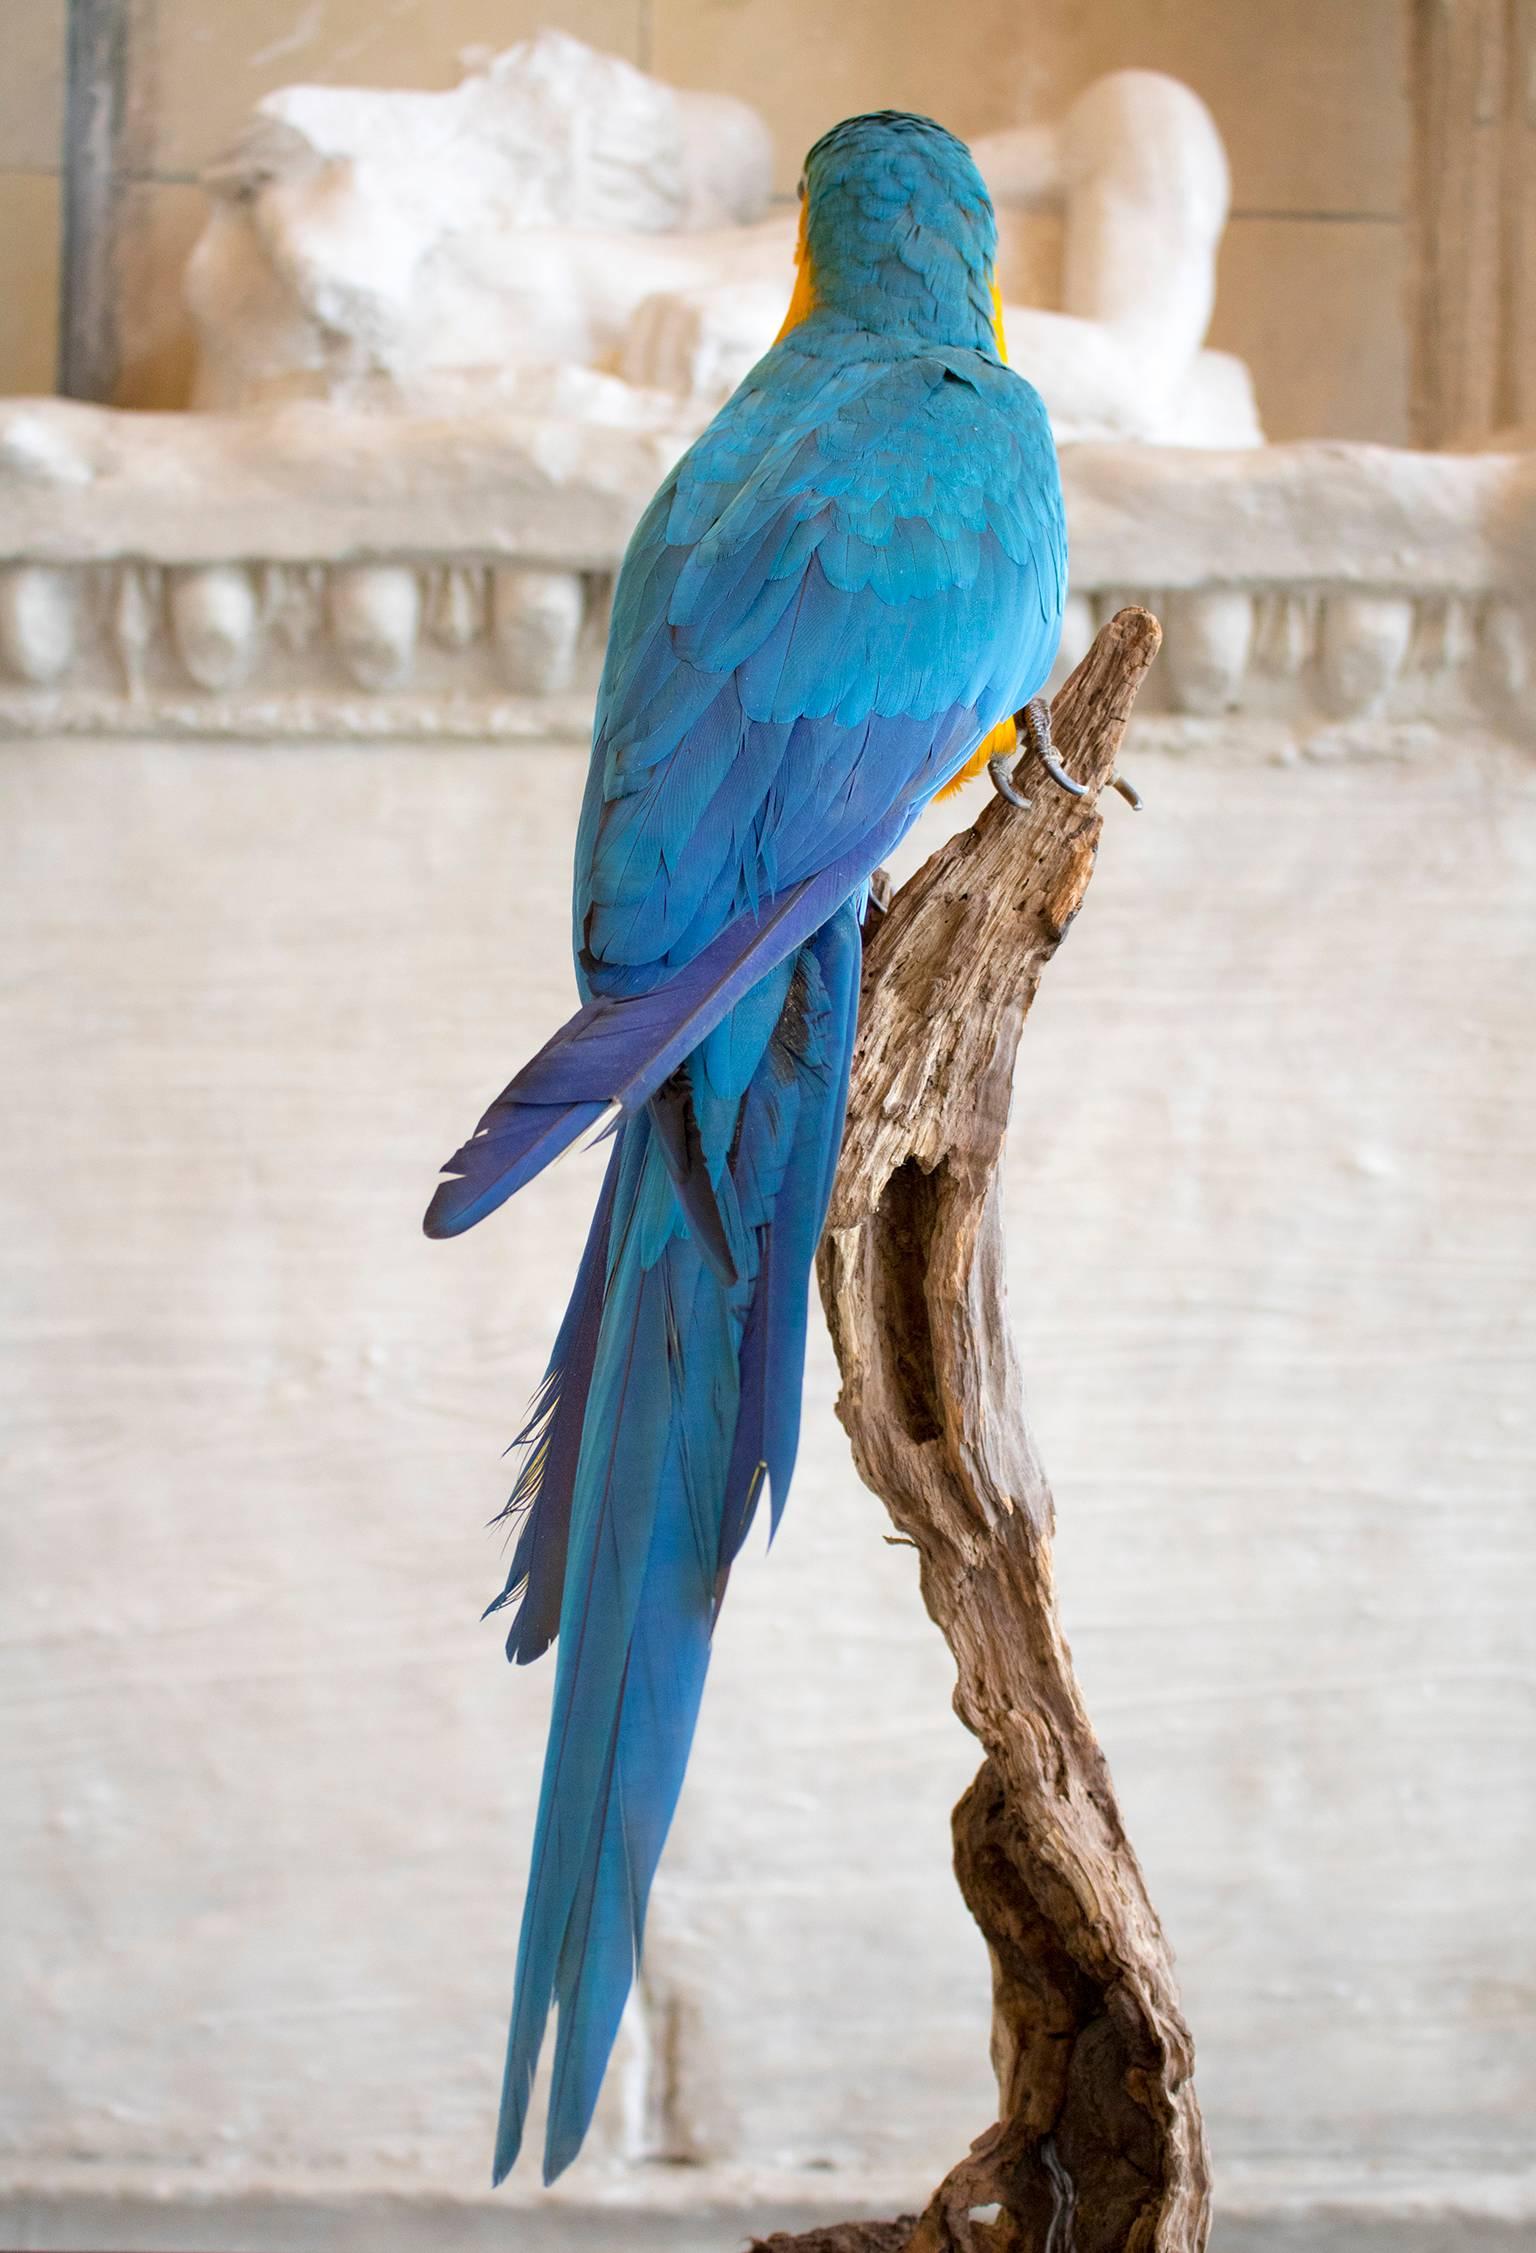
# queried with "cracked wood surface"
point(1099, 2146)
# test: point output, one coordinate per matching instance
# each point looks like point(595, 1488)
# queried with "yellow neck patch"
point(803, 300)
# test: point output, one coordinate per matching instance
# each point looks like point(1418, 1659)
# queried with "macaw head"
point(897, 234)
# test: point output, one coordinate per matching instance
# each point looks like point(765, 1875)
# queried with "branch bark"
point(1098, 2147)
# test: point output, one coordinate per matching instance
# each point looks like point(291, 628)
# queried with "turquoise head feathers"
point(900, 233)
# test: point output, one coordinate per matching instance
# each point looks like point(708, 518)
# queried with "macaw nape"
point(831, 611)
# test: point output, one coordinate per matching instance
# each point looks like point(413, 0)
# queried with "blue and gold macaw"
point(829, 613)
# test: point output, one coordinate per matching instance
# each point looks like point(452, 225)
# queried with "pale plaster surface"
point(162, 220)
point(210, 65)
point(1311, 97)
point(32, 84)
point(29, 233)
point(269, 1785)
point(1288, 282)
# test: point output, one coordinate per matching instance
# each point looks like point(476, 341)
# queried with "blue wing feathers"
point(621, 1049)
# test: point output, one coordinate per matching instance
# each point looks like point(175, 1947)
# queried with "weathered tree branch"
point(1098, 2147)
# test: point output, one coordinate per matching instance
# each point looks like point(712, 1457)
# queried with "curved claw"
point(1127, 790)
point(1000, 773)
point(1033, 725)
point(1058, 772)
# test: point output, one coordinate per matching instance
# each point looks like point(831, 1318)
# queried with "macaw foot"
point(1032, 732)
point(1034, 726)
point(1033, 729)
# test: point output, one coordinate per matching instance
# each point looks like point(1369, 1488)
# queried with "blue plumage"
point(848, 581)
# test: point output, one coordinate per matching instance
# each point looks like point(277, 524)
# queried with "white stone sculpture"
point(564, 233)
point(414, 247)
point(1139, 173)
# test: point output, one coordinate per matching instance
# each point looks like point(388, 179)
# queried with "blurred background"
point(1316, 102)
point(293, 689)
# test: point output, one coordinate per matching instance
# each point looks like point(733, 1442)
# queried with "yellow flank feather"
point(997, 322)
point(1003, 739)
point(803, 300)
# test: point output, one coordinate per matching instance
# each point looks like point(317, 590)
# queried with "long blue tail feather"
point(773, 1347)
point(552, 1436)
point(675, 1120)
point(688, 1395)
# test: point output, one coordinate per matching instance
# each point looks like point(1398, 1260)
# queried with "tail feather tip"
point(440, 1220)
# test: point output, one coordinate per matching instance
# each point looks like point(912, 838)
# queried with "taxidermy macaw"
point(830, 611)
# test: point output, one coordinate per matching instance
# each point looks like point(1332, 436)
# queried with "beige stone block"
point(161, 221)
point(1271, 1293)
point(1311, 95)
point(31, 83)
point(211, 65)
point(1316, 308)
point(805, 65)
point(29, 281)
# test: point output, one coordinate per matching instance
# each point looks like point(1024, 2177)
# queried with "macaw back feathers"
point(852, 577)
point(827, 638)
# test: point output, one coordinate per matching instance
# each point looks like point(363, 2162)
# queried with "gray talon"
point(1059, 774)
point(1002, 781)
point(1034, 729)
point(1127, 790)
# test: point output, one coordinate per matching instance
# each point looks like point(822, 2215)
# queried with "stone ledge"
point(697, 2210)
point(315, 573)
point(83, 484)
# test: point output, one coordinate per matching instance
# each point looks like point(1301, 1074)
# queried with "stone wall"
point(268, 1783)
point(1312, 99)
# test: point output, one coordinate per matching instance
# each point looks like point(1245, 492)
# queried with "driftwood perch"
point(1098, 2147)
